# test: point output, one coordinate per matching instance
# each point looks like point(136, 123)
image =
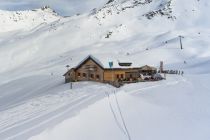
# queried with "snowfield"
point(35, 47)
point(172, 109)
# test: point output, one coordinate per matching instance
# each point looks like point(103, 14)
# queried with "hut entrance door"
point(91, 72)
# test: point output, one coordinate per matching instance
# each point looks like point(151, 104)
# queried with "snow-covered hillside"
point(35, 47)
point(26, 20)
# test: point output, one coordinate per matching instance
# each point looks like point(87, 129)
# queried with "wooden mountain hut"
point(92, 69)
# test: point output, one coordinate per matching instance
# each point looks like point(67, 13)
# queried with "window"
point(84, 75)
point(118, 76)
point(121, 76)
point(92, 76)
point(78, 74)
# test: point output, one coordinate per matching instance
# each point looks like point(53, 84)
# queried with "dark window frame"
point(92, 76)
point(79, 74)
point(98, 77)
point(84, 75)
point(118, 76)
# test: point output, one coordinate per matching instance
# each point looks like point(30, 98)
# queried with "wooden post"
point(180, 40)
point(70, 85)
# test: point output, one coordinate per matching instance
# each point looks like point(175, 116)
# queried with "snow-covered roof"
point(146, 67)
point(90, 57)
point(103, 62)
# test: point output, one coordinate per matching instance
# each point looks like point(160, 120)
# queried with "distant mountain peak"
point(152, 8)
point(131, 1)
point(27, 19)
point(45, 7)
point(48, 8)
point(109, 1)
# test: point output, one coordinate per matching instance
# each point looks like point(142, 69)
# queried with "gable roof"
point(72, 69)
point(146, 67)
point(90, 57)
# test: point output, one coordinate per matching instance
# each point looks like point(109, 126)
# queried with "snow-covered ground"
point(43, 105)
point(172, 109)
point(35, 104)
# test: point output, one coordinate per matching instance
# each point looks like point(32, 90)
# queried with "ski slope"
point(172, 109)
point(35, 104)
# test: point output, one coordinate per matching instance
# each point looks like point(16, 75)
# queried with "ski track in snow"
point(50, 119)
point(43, 110)
point(62, 103)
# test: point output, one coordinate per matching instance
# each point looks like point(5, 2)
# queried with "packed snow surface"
point(36, 45)
point(172, 109)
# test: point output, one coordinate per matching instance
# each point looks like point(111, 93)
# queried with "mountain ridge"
point(98, 32)
point(116, 7)
point(26, 19)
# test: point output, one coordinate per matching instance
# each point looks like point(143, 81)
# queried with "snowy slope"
point(33, 59)
point(130, 30)
point(172, 109)
point(26, 20)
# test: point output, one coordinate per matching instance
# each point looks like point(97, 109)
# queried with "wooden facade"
point(113, 75)
point(70, 75)
point(90, 69)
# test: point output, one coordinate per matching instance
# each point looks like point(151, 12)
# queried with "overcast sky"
point(63, 7)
